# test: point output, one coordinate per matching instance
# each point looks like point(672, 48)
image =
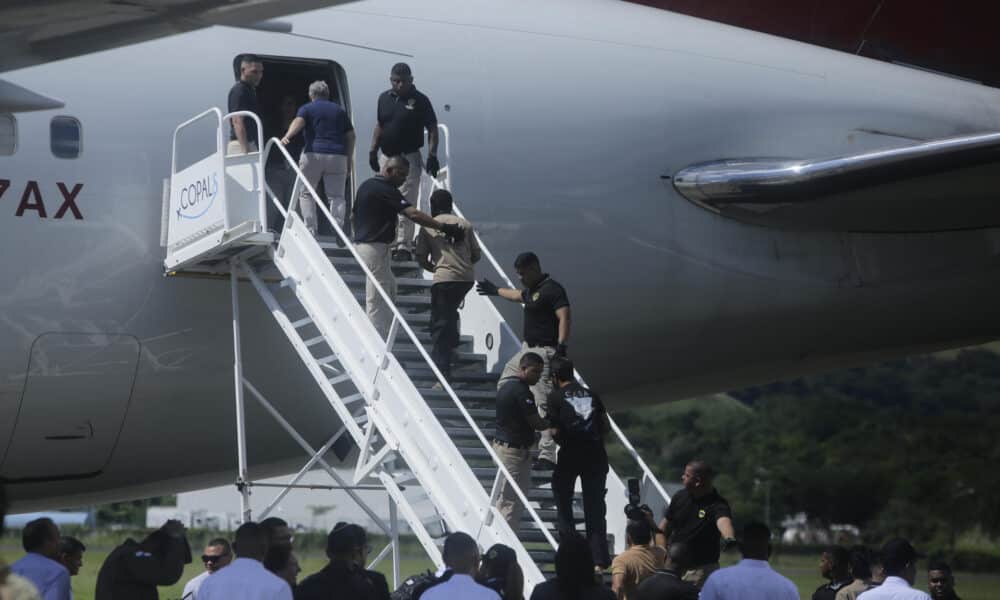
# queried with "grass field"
point(802, 570)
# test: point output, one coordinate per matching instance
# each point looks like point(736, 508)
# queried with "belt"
point(510, 445)
point(540, 345)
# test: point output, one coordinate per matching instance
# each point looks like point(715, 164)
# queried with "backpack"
point(415, 585)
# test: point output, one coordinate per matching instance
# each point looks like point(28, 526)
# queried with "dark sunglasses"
point(212, 559)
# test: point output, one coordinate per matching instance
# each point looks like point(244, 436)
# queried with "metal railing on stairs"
point(388, 415)
point(445, 181)
point(477, 514)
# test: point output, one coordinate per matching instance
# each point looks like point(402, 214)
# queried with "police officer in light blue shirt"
point(40, 539)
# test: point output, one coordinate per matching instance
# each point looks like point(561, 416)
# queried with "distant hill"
point(907, 447)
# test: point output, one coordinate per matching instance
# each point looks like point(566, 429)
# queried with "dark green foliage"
point(909, 447)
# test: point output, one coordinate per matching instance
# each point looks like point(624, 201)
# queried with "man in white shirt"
point(217, 555)
point(899, 561)
point(246, 578)
point(40, 539)
point(461, 555)
point(752, 578)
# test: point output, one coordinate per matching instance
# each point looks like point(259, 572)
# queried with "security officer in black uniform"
point(516, 422)
point(402, 115)
point(581, 423)
point(547, 322)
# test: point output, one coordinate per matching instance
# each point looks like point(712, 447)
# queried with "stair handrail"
point(484, 249)
point(401, 322)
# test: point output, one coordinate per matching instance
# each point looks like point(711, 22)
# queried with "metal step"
point(415, 284)
point(474, 452)
point(488, 473)
point(534, 535)
point(460, 377)
point(412, 301)
point(548, 515)
point(466, 433)
point(542, 556)
point(343, 262)
point(424, 337)
point(454, 413)
point(465, 395)
point(460, 359)
point(419, 321)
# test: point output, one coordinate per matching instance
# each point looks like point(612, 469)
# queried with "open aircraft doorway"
point(282, 91)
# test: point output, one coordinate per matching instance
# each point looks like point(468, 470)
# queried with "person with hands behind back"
point(580, 422)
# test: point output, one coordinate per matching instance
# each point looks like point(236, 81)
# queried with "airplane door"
point(76, 393)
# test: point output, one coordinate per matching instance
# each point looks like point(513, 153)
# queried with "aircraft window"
point(8, 135)
point(66, 137)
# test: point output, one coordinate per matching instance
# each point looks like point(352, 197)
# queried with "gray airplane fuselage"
point(565, 118)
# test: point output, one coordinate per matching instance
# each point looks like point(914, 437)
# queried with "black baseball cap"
point(341, 539)
point(897, 553)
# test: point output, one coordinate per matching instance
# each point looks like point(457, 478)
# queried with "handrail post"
point(394, 540)
point(241, 434)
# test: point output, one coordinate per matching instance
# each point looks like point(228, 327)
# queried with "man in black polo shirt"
point(243, 96)
point(376, 206)
point(403, 115)
point(516, 422)
point(546, 332)
point(580, 421)
point(698, 517)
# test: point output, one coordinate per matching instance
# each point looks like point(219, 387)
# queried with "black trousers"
point(446, 297)
point(591, 466)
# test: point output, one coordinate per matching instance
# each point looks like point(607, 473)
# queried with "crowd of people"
point(677, 559)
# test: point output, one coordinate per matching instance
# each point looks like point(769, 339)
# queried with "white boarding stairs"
point(410, 434)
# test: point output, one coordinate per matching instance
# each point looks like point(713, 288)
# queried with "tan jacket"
point(449, 262)
point(852, 591)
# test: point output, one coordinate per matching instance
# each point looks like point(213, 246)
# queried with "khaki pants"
point(376, 258)
point(411, 191)
point(698, 575)
point(518, 462)
point(546, 445)
point(235, 148)
point(332, 169)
